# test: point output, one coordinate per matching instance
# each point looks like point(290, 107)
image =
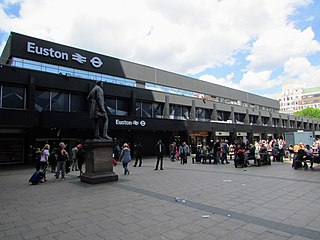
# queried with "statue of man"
point(98, 111)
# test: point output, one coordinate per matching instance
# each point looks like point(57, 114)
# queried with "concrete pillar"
point(166, 109)
point(193, 110)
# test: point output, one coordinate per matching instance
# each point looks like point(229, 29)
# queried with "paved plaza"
point(192, 201)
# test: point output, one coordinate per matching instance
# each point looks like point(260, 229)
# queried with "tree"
point(309, 112)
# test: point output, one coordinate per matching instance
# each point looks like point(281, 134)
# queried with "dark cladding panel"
point(138, 72)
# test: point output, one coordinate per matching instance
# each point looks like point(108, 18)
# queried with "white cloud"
point(183, 36)
point(301, 73)
point(273, 48)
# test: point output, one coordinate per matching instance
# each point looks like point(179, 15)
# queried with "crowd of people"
point(59, 160)
point(220, 152)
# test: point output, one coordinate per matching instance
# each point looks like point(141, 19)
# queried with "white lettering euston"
point(47, 52)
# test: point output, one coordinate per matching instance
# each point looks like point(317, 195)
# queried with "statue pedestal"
point(99, 166)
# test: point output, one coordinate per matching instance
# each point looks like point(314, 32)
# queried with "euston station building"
point(43, 99)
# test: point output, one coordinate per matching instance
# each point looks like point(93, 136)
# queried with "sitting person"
point(309, 156)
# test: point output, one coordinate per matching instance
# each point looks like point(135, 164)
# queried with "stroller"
point(239, 160)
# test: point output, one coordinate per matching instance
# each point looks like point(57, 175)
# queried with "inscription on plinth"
point(99, 166)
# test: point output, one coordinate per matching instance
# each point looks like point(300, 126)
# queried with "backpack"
point(61, 157)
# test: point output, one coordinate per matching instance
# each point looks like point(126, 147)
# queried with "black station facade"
point(43, 99)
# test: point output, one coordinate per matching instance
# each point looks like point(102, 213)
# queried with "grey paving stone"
point(271, 202)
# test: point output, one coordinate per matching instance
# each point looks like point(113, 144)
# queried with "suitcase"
point(37, 176)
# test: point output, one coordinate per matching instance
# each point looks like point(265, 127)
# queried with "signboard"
point(198, 134)
point(225, 134)
point(38, 50)
point(134, 123)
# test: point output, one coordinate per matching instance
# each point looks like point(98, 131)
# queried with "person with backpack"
point(62, 158)
point(53, 160)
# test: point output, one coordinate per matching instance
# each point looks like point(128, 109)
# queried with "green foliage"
point(309, 112)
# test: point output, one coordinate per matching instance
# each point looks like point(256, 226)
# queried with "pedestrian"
point(116, 152)
point(172, 149)
point(138, 154)
point(37, 155)
point(184, 151)
point(44, 159)
point(216, 152)
point(81, 156)
point(74, 166)
point(53, 160)
point(125, 158)
point(62, 158)
point(160, 150)
point(224, 152)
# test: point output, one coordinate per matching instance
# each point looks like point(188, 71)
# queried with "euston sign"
point(53, 53)
point(136, 123)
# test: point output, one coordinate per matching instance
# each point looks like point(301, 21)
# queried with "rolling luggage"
point(37, 176)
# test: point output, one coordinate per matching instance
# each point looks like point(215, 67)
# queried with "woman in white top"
point(44, 160)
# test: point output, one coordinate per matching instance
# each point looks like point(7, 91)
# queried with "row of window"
point(15, 98)
point(45, 67)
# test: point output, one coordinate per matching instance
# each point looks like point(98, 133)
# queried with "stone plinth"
point(99, 166)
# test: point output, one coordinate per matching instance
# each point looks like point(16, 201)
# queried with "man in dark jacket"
point(160, 150)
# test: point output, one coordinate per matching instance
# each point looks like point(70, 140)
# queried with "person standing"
point(138, 154)
point(160, 150)
point(74, 166)
point(53, 160)
point(81, 156)
point(224, 152)
point(125, 158)
point(44, 160)
point(216, 152)
point(37, 155)
point(184, 152)
point(63, 156)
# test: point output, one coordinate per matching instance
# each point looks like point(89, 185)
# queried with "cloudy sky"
point(251, 45)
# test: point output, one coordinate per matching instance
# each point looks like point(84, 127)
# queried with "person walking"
point(53, 160)
point(138, 154)
point(44, 160)
point(125, 158)
point(160, 150)
point(63, 156)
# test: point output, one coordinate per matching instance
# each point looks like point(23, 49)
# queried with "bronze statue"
point(98, 111)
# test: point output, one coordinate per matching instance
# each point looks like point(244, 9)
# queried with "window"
point(202, 114)
point(117, 106)
point(178, 112)
point(111, 105)
point(146, 109)
point(239, 117)
point(157, 110)
point(42, 101)
point(78, 103)
point(59, 101)
point(13, 97)
point(122, 107)
point(253, 119)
